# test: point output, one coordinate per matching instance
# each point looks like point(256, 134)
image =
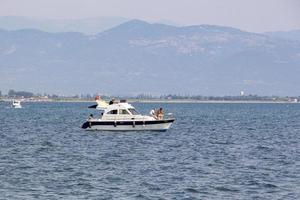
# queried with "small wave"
point(192, 190)
point(269, 185)
point(225, 189)
point(252, 183)
point(265, 150)
point(151, 186)
point(24, 167)
point(114, 179)
point(47, 143)
point(251, 167)
point(85, 185)
point(260, 147)
point(140, 196)
point(41, 149)
point(221, 142)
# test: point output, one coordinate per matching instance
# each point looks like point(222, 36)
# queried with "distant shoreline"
point(159, 101)
point(209, 101)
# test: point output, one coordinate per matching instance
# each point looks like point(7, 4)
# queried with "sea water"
point(212, 151)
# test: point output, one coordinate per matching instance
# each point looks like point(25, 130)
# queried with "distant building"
point(242, 93)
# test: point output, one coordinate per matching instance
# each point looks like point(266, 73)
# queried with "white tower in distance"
point(242, 93)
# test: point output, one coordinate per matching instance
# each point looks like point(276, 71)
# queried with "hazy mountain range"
point(138, 57)
point(288, 35)
point(87, 26)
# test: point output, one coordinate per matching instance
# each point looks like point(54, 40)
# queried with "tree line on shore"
point(25, 94)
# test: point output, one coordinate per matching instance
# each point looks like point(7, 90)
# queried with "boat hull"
point(16, 106)
point(153, 125)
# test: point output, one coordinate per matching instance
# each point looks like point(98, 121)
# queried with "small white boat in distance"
point(123, 117)
point(16, 104)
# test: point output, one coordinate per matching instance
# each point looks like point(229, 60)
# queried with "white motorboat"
point(124, 117)
point(16, 104)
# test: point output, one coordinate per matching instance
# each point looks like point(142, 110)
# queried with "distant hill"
point(87, 26)
point(288, 35)
point(138, 57)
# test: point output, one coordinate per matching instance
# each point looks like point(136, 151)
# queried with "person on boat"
point(112, 101)
point(160, 113)
point(91, 116)
point(97, 98)
point(153, 113)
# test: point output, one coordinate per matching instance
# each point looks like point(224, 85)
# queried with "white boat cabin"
point(122, 111)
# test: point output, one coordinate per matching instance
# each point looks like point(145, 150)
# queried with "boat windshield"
point(133, 111)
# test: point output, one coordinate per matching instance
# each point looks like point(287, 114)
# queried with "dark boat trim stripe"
point(131, 122)
point(126, 123)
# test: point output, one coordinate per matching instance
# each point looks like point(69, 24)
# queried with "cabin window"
point(133, 111)
point(113, 112)
point(123, 112)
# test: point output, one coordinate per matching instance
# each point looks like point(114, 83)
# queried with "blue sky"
point(250, 15)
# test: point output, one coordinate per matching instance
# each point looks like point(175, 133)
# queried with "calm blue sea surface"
point(212, 151)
